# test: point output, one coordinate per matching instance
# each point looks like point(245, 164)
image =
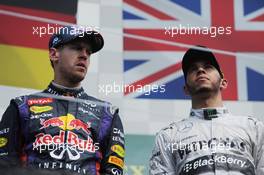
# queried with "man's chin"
point(203, 90)
point(77, 78)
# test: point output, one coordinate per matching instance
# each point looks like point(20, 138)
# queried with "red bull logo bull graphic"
point(55, 121)
point(66, 141)
point(68, 122)
point(78, 124)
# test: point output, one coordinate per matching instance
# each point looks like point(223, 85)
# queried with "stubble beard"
point(72, 77)
point(203, 91)
point(75, 79)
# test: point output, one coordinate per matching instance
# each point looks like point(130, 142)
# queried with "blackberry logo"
point(187, 167)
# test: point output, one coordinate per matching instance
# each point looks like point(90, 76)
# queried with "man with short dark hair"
point(62, 129)
point(211, 140)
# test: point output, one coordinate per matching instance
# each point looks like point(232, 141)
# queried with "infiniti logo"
point(116, 171)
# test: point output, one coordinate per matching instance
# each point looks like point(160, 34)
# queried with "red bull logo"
point(78, 124)
point(68, 122)
point(55, 121)
point(58, 145)
point(72, 139)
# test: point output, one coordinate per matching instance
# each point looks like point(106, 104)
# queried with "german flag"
point(24, 35)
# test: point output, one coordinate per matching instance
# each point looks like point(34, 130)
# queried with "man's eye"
point(208, 66)
point(192, 69)
point(88, 52)
point(76, 47)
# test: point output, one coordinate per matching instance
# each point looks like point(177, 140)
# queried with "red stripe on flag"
point(135, 44)
point(258, 19)
point(222, 13)
point(21, 32)
point(160, 15)
point(229, 68)
point(238, 41)
point(152, 78)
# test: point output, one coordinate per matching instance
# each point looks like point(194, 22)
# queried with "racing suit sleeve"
point(10, 140)
point(113, 155)
point(259, 147)
point(161, 161)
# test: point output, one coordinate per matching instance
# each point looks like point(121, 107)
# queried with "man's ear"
point(186, 90)
point(223, 84)
point(53, 54)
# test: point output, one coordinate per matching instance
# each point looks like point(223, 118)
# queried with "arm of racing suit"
point(161, 161)
point(113, 156)
point(259, 147)
point(10, 140)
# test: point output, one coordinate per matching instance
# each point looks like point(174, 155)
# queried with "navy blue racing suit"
point(61, 130)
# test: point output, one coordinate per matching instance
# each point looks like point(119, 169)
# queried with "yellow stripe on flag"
point(25, 67)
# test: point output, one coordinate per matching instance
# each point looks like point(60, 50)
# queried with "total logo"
point(40, 101)
point(68, 122)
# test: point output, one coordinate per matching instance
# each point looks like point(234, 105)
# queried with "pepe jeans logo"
point(40, 109)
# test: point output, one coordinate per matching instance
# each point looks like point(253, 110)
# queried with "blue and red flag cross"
point(158, 63)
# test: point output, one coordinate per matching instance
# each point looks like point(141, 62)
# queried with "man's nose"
point(85, 53)
point(200, 70)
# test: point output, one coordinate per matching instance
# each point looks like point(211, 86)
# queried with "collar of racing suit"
point(209, 113)
point(57, 89)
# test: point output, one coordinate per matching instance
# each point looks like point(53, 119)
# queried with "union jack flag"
point(152, 55)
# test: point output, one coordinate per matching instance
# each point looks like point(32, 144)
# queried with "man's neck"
point(66, 84)
point(64, 87)
point(207, 101)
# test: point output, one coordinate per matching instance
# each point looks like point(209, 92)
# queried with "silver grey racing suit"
point(210, 141)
